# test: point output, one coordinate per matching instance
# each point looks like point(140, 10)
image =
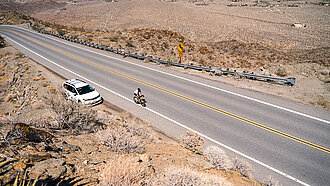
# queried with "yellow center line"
point(187, 98)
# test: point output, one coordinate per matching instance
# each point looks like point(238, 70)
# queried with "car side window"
point(70, 88)
point(74, 90)
point(66, 86)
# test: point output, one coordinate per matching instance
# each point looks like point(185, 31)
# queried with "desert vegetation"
point(193, 142)
point(218, 158)
point(187, 176)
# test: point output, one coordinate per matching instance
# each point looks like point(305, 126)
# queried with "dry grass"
point(282, 71)
point(218, 158)
point(70, 115)
point(221, 161)
point(136, 126)
point(242, 166)
point(122, 171)
point(186, 176)
point(193, 142)
point(270, 181)
point(323, 103)
point(119, 139)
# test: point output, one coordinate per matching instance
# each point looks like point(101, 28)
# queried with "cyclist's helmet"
point(139, 89)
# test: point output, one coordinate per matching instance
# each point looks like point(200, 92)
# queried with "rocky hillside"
point(162, 44)
point(30, 6)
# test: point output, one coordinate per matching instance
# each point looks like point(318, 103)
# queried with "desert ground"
point(243, 36)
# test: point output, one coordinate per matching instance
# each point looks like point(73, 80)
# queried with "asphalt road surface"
point(286, 140)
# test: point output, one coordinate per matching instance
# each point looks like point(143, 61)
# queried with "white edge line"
point(161, 115)
point(209, 86)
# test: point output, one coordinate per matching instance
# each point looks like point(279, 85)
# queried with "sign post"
point(180, 49)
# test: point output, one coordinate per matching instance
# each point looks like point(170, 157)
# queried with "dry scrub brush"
point(70, 115)
point(122, 171)
point(119, 139)
point(187, 176)
point(270, 181)
point(242, 166)
point(221, 161)
point(136, 126)
point(193, 142)
point(9, 138)
point(218, 158)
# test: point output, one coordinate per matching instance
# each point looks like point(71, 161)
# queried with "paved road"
point(290, 144)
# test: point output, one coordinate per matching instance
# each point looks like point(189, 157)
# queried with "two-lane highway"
point(288, 140)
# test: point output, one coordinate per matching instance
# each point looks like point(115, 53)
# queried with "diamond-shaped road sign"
point(180, 47)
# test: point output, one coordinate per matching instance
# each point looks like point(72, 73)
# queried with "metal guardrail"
point(288, 81)
point(281, 81)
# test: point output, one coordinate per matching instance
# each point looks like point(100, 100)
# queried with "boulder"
point(19, 166)
point(35, 156)
point(56, 172)
point(298, 25)
point(325, 72)
point(70, 147)
point(216, 72)
point(327, 80)
point(144, 158)
point(53, 168)
point(201, 162)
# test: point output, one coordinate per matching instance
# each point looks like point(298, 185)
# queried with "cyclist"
point(138, 93)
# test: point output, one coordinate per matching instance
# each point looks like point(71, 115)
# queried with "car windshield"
point(84, 90)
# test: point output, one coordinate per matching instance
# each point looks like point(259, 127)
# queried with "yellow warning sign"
point(180, 54)
point(180, 47)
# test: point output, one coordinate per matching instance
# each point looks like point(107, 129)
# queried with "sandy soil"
point(270, 25)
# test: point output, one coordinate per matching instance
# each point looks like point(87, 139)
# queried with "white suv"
point(80, 91)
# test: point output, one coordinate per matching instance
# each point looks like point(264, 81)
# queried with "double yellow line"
point(187, 98)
